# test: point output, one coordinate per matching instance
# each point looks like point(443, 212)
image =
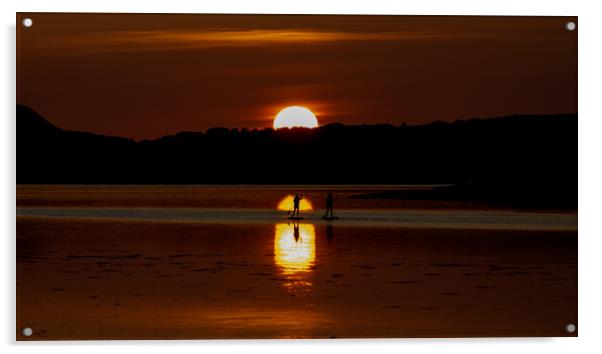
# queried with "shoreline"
point(384, 218)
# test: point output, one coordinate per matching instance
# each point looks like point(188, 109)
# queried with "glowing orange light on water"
point(286, 203)
point(294, 247)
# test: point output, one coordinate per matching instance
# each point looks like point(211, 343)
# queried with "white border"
point(590, 178)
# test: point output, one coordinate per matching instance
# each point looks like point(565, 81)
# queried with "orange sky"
point(143, 76)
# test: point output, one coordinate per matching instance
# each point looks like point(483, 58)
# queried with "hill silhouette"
point(520, 161)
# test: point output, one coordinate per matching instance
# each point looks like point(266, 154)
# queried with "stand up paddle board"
point(330, 218)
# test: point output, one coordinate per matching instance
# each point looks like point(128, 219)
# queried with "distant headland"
point(520, 160)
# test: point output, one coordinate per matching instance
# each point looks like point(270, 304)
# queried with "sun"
point(295, 116)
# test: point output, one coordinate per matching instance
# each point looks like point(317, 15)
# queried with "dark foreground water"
point(224, 262)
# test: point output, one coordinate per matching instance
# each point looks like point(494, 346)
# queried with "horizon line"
point(403, 124)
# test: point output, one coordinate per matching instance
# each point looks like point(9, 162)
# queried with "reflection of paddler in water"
point(329, 205)
point(296, 201)
point(296, 231)
point(329, 233)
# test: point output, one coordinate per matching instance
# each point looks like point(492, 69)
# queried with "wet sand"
point(129, 279)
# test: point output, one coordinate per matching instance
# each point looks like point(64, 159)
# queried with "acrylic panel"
point(295, 176)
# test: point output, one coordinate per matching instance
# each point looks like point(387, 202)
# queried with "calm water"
point(270, 204)
point(224, 262)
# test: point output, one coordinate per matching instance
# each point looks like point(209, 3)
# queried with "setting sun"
point(295, 116)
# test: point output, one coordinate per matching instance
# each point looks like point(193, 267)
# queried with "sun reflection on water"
point(295, 253)
point(286, 203)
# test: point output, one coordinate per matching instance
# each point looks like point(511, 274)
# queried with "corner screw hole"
point(570, 26)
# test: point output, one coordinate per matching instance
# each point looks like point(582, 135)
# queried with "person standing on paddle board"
point(329, 204)
point(296, 201)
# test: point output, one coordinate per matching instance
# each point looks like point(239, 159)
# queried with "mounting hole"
point(570, 328)
point(27, 22)
point(27, 331)
point(571, 26)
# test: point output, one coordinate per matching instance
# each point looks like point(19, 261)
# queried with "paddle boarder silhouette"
point(296, 202)
point(329, 205)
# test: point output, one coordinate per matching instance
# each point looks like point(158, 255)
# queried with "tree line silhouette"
point(523, 161)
